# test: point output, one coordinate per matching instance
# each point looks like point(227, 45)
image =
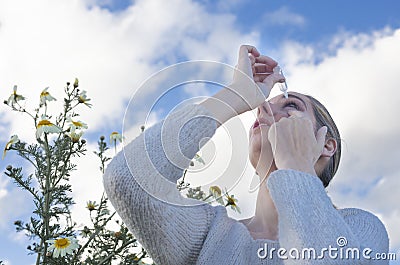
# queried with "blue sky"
point(343, 52)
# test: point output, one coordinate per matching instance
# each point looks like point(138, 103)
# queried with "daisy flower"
point(76, 124)
point(45, 126)
point(91, 205)
point(14, 139)
point(74, 136)
point(62, 246)
point(82, 98)
point(114, 136)
point(231, 201)
point(76, 83)
point(14, 98)
point(45, 96)
point(216, 192)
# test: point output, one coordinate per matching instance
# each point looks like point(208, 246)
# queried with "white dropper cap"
point(282, 86)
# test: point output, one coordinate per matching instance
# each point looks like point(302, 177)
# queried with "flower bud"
point(9, 167)
point(102, 138)
point(76, 83)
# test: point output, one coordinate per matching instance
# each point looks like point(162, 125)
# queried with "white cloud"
point(283, 17)
point(110, 53)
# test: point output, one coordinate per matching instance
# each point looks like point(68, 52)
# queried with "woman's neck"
point(264, 223)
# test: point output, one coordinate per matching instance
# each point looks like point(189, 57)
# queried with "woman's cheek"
point(260, 150)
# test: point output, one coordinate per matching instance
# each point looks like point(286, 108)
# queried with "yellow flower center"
point(44, 94)
point(44, 123)
point(231, 201)
point(114, 133)
point(61, 243)
point(81, 99)
point(77, 123)
point(215, 189)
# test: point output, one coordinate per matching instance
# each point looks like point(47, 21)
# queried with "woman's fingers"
point(245, 52)
point(247, 58)
point(266, 60)
point(295, 114)
point(252, 59)
point(246, 49)
point(263, 68)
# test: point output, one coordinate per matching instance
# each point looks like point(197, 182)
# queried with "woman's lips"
point(259, 122)
point(256, 124)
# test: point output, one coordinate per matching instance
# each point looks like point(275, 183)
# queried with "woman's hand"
point(294, 143)
point(252, 83)
point(253, 78)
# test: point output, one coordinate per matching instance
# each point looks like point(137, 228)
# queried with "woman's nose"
point(272, 110)
point(265, 109)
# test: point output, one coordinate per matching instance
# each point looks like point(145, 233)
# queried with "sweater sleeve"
point(141, 184)
point(307, 219)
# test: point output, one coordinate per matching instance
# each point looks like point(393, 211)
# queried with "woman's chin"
point(262, 163)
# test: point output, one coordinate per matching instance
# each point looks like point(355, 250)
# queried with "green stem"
point(47, 193)
point(64, 166)
point(98, 229)
point(103, 261)
point(209, 196)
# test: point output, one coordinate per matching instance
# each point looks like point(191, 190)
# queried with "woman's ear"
point(329, 147)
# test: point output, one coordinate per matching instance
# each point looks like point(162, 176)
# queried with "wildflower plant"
point(55, 237)
point(214, 195)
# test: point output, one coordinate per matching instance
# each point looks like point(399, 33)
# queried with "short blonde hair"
point(323, 118)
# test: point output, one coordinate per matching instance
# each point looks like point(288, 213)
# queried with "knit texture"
point(141, 184)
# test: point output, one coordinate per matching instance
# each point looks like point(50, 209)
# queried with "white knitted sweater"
point(141, 184)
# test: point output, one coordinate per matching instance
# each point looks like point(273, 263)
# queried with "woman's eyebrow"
point(299, 98)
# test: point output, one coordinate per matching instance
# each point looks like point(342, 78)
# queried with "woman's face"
point(260, 150)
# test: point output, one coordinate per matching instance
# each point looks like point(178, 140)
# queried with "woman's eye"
point(292, 105)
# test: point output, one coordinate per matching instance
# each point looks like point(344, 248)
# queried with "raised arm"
point(141, 181)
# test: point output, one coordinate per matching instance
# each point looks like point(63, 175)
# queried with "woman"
point(295, 149)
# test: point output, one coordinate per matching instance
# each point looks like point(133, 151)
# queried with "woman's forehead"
point(292, 94)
